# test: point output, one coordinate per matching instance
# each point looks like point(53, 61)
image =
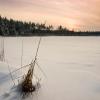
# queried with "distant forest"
point(10, 27)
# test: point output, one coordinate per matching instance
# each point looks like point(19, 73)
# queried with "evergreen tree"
point(15, 28)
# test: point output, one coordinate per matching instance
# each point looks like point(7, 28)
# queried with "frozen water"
point(71, 65)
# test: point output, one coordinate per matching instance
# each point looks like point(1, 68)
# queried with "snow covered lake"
point(71, 65)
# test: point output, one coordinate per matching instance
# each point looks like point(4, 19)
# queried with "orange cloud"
point(70, 13)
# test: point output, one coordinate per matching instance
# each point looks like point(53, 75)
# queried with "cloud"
point(73, 13)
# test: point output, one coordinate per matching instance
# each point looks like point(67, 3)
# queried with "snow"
point(71, 65)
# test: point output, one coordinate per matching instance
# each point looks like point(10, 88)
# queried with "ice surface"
point(71, 65)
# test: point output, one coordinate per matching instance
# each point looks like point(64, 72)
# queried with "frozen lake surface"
point(71, 65)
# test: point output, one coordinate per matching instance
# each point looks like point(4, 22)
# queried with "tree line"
point(10, 27)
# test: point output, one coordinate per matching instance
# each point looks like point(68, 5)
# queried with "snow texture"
point(71, 65)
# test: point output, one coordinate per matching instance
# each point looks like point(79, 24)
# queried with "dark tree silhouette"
point(10, 27)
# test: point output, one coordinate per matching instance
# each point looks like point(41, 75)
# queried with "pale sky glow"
point(73, 14)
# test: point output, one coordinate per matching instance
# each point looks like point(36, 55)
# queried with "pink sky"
point(73, 14)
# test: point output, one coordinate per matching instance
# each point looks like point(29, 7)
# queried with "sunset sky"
point(73, 14)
